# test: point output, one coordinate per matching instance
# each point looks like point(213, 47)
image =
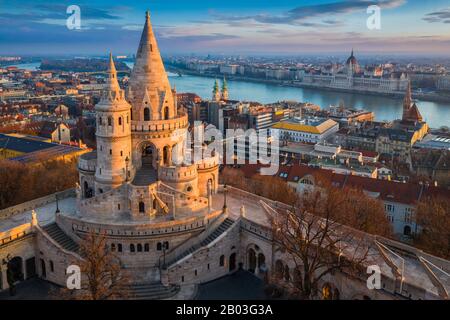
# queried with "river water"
point(437, 114)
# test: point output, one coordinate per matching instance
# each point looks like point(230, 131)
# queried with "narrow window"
point(119, 247)
point(52, 266)
point(109, 121)
point(132, 249)
point(113, 247)
point(120, 121)
point(139, 247)
point(141, 207)
point(222, 260)
point(146, 247)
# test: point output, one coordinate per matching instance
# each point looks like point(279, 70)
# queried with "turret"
point(224, 89)
point(149, 90)
point(113, 134)
point(216, 92)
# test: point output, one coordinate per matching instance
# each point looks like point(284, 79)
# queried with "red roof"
point(407, 193)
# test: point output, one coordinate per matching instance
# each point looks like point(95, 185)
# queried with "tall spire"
point(407, 101)
point(224, 89)
point(216, 91)
point(112, 85)
point(149, 75)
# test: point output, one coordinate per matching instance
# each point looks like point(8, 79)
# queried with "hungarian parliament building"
point(352, 77)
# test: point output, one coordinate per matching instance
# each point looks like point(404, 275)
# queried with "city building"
point(304, 130)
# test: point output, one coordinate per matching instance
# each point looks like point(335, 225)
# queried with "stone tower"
point(149, 90)
point(113, 134)
point(407, 101)
point(224, 89)
point(216, 96)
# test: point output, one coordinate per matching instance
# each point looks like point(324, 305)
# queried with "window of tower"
point(141, 207)
point(146, 114)
point(100, 121)
point(120, 121)
point(121, 153)
point(132, 248)
point(110, 151)
point(109, 121)
point(128, 119)
point(166, 113)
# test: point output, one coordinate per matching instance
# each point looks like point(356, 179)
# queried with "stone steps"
point(55, 232)
point(151, 291)
point(224, 226)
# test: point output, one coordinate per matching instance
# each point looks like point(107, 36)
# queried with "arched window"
point(146, 247)
point(139, 247)
point(141, 207)
point(159, 246)
point(128, 119)
point(146, 114)
point(407, 230)
point(166, 245)
point(113, 247)
point(52, 266)
point(222, 261)
point(132, 249)
point(119, 247)
point(109, 121)
point(166, 113)
point(120, 121)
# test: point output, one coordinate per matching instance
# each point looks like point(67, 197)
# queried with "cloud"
point(299, 16)
point(438, 16)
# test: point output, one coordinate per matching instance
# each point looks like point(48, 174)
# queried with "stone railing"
point(176, 173)
point(15, 233)
point(179, 122)
point(212, 222)
point(88, 161)
point(208, 163)
point(36, 203)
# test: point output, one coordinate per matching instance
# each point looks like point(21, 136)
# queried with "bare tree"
point(101, 270)
point(433, 217)
point(318, 246)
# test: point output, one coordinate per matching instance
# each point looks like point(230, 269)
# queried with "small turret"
point(224, 89)
point(216, 92)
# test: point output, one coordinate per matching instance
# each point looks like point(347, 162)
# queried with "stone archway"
point(251, 260)
point(149, 155)
point(14, 270)
point(232, 262)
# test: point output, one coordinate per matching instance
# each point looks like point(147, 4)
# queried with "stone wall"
point(32, 204)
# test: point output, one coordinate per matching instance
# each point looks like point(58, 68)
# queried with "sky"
point(33, 27)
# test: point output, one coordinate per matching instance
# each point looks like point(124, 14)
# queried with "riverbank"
point(434, 97)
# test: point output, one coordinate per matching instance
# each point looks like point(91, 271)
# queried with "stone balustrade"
point(179, 122)
point(35, 203)
point(177, 173)
point(15, 233)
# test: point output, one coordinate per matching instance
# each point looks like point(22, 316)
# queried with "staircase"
point(144, 176)
point(60, 237)
point(224, 226)
point(150, 291)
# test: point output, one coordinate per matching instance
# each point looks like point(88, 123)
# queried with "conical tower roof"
point(113, 98)
point(111, 82)
point(149, 78)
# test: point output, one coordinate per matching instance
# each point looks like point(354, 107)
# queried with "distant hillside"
point(81, 65)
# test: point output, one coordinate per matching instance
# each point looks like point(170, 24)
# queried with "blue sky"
point(228, 26)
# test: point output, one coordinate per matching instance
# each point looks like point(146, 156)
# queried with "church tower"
point(407, 101)
point(224, 89)
point(113, 134)
point(216, 92)
point(149, 90)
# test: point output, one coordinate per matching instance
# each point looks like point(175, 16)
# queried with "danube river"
point(437, 114)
